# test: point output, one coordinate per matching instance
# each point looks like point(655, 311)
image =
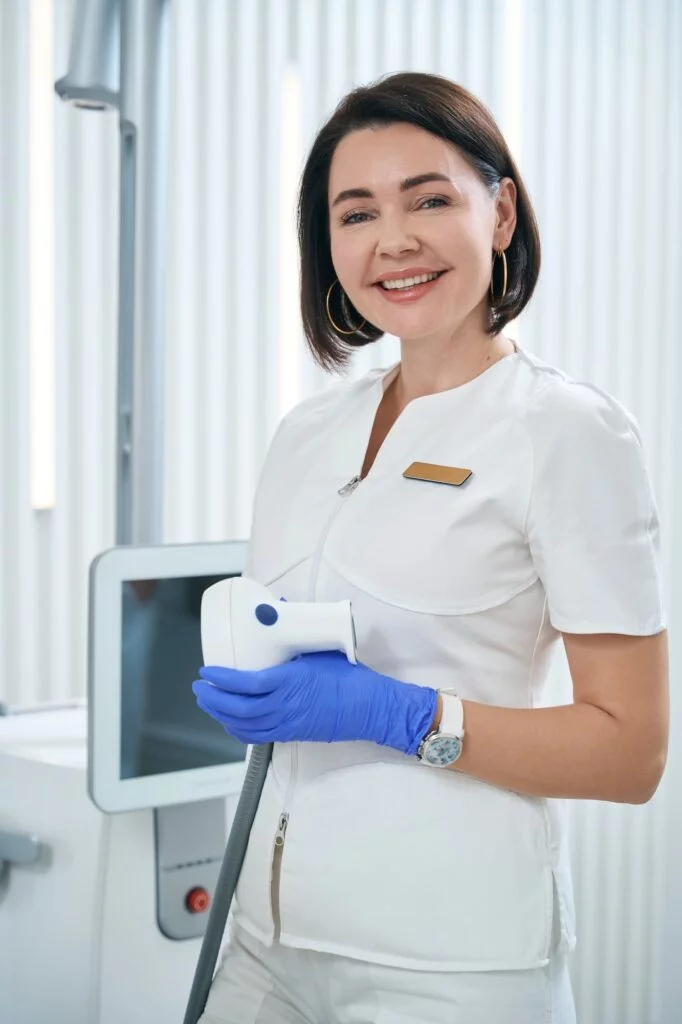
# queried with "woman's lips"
point(411, 294)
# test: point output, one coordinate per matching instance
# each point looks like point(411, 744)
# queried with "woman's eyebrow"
point(408, 183)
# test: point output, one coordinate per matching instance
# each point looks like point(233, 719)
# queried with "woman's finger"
point(235, 706)
point(240, 680)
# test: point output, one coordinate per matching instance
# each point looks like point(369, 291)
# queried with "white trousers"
point(278, 985)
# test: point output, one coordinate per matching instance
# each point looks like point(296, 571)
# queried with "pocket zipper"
point(277, 870)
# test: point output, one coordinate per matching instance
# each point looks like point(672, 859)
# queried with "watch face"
point(440, 751)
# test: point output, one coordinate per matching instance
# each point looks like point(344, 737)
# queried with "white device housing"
point(108, 572)
point(78, 931)
point(243, 625)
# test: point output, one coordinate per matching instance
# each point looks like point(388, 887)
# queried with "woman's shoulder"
point(566, 409)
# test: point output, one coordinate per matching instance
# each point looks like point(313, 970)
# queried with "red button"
point(197, 900)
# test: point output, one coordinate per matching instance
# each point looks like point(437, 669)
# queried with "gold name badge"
point(452, 475)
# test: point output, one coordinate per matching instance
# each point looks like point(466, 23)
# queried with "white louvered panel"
point(603, 255)
point(18, 579)
point(65, 593)
point(669, 856)
point(627, 185)
point(185, 338)
point(337, 65)
point(250, 238)
point(217, 261)
point(662, 249)
point(222, 310)
point(6, 469)
point(311, 59)
point(46, 554)
point(366, 30)
point(9, 347)
point(623, 990)
point(597, 91)
point(421, 33)
point(482, 40)
point(83, 522)
point(393, 41)
point(449, 48)
point(568, 114)
point(277, 47)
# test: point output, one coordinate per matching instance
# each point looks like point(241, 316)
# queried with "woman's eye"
point(348, 219)
point(351, 218)
point(441, 200)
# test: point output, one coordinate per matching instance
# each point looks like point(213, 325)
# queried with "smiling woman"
point(412, 178)
point(399, 241)
point(409, 860)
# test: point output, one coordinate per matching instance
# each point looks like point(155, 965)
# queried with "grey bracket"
point(17, 848)
point(190, 843)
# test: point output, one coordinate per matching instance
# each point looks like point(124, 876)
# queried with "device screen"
point(162, 729)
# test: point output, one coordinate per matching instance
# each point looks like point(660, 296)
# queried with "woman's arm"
point(610, 744)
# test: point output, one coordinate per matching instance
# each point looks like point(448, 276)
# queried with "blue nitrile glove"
point(318, 697)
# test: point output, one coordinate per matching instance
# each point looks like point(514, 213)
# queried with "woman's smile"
point(409, 289)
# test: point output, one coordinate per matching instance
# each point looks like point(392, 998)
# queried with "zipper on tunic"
point(350, 486)
point(317, 556)
point(277, 870)
point(282, 829)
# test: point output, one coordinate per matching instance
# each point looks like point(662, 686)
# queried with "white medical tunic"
point(385, 859)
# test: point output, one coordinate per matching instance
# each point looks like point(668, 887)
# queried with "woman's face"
point(387, 223)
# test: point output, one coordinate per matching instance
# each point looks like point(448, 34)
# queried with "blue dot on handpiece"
point(266, 614)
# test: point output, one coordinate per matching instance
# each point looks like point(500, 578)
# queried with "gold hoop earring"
point(331, 318)
point(500, 252)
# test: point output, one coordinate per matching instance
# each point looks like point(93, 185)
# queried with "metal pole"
point(145, 133)
point(120, 59)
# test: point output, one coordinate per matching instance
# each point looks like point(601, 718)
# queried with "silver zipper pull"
point(282, 829)
point(350, 486)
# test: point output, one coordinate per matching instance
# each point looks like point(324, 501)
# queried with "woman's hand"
point(317, 698)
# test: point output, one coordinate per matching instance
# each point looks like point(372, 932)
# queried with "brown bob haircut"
point(444, 109)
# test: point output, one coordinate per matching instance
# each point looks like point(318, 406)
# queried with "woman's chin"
point(420, 329)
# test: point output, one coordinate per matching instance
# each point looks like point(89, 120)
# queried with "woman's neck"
point(420, 373)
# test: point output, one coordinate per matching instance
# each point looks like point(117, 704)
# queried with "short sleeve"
point(592, 524)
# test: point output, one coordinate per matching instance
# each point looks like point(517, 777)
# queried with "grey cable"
point(228, 877)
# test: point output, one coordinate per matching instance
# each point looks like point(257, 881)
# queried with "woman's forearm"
point(576, 751)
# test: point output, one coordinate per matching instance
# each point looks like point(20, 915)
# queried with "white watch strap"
point(452, 719)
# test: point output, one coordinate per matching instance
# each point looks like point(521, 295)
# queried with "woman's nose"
point(395, 237)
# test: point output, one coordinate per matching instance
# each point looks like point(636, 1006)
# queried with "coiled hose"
point(230, 869)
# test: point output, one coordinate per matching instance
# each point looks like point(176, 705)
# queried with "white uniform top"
point(385, 859)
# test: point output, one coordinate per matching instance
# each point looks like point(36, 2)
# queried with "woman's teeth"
point(409, 282)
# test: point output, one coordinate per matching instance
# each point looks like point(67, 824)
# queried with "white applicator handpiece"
point(244, 626)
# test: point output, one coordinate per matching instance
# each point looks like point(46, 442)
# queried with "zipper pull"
point(282, 829)
point(350, 486)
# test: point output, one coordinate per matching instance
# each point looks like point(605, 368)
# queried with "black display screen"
point(162, 729)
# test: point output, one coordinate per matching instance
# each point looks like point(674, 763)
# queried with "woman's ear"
point(505, 211)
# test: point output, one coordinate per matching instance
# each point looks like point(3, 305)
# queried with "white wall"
point(588, 92)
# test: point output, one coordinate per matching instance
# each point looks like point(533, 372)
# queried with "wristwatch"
point(442, 746)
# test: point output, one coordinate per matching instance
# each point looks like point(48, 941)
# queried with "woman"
point(408, 862)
